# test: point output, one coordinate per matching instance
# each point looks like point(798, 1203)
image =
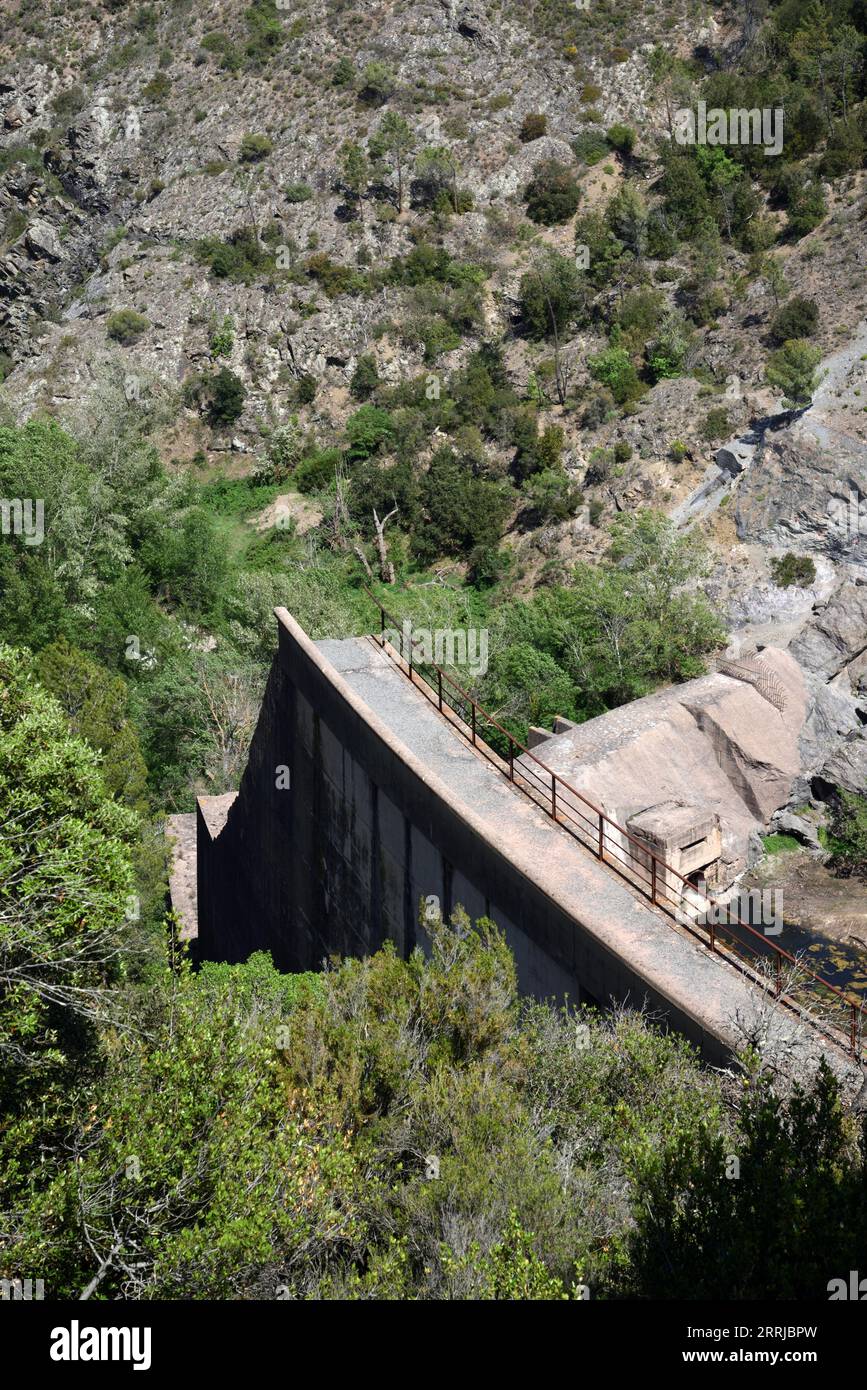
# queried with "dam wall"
point(361, 802)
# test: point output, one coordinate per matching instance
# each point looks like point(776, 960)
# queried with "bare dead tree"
point(386, 568)
point(364, 560)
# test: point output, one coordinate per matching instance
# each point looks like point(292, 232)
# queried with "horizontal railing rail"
point(626, 853)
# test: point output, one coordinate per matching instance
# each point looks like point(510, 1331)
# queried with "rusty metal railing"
point(628, 855)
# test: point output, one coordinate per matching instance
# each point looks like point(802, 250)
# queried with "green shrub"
point(125, 326)
point(254, 148)
point(316, 471)
point(552, 195)
point(589, 147)
point(222, 338)
point(614, 369)
point(242, 257)
point(716, 424)
point(798, 318)
point(553, 495)
point(306, 388)
point(158, 88)
point(533, 127)
point(848, 841)
point(299, 193)
point(226, 398)
point(789, 570)
point(334, 278)
point(343, 73)
point(365, 378)
point(369, 430)
point(621, 138)
point(377, 84)
point(266, 32)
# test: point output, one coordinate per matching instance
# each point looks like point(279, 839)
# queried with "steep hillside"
point(447, 263)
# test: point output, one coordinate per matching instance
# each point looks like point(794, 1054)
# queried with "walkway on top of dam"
point(704, 986)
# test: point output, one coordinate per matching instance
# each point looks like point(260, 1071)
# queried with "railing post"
point(853, 1030)
point(778, 982)
point(653, 878)
point(553, 796)
point(473, 708)
point(382, 627)
point(511, 761)
point(409, 658)
point(440, 689)
point(601, 835)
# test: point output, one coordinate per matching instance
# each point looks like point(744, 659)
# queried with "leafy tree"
point(775, 278)
point(793, 1215)
point(187, 563)
point(65, 879)
point(686, 199)
point(96, 706)
point(792, 368)
point(369, 430)
point(620, 628)
point(604, 250)
point(845, 149)
point(525, 686)
point(377, 84)
point(626, 215)
point(436, 171)
point(356, 172)
point(461, 512)
point(395, 137)
point(552, 296)
point(803, 198)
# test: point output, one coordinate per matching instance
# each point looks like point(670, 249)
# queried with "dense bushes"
point(226, 395)
point(553, 194)
point(284, 1127)
point(798, 318)
point(614, 631)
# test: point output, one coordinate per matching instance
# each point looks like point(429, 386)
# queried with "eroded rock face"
point(837, 635)
point(804, 497)
point(847, 766)
point(832, 717)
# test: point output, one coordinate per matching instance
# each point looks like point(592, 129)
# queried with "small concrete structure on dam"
point(361, 802)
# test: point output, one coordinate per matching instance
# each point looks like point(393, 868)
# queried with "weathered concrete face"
point(726, 746)
point(360, 802)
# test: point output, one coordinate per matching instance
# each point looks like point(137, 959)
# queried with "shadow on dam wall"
point(384, 807)
point(341, 860)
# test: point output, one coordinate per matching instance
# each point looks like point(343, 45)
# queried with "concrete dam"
point(361, 802)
